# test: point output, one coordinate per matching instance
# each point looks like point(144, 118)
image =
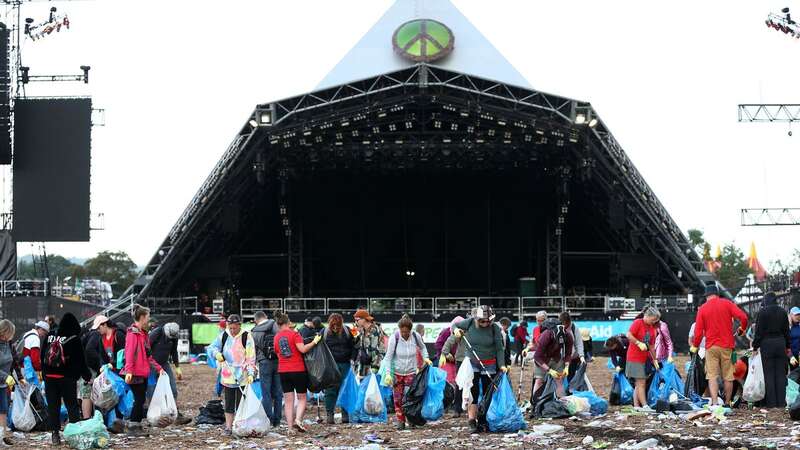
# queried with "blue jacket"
point(794, 336)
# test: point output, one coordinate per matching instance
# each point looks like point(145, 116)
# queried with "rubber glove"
point(442, 361)
point(317, 338)
point(128, 378)
point(504, 369)
point(642, 346)
point(554, 374)
point(566, 371)
point(389, 380)
point(10, 381)
point(670, 360)
point(219, 357)
point(428, 361)
point(525, 351)
point(793, 361)
point(458, 332)
point(249, 379)
point(178, 373)
point(693, 349)
point(618, 369)
point(656, 365)
point(583, 360)
point(451, 358)
point(740, 331)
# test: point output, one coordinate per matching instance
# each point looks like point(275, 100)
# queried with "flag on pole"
point(755, 265)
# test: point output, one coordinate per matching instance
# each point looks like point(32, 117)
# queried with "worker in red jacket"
point(714, 322)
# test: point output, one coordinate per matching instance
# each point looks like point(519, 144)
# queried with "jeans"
point(139, 393)
point(58, 389)
point(172, 383)
point(271, 390)
point(332, 393)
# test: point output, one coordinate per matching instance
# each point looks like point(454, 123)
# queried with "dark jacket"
point(549, 349)
point(96, 355)
point(794, 334)
point(75, 361)
point(619, 355)
point(308, 333)
point(163, 347)
point(772, 323)
point(507, 344)
point(264, 334)
point(342, 345)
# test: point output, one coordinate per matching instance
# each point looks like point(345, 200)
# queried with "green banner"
point(205, 333)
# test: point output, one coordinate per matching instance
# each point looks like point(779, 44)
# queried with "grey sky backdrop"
point(177, 78)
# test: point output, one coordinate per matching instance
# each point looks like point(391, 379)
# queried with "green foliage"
point(116, 268)
point(697, 240)
point(734, 270)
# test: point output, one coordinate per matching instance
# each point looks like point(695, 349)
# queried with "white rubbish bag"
point(163, 410)
point(373, 400)
point(22, 414)
point(104, 397)
point(464, 381)
point(250, 420)
point(754, 389)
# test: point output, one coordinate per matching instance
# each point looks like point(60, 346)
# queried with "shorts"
point(539, 373)
point(294, 382)
point(635, 370)
point(233, 396)
point(84, 388)
point(718, 363)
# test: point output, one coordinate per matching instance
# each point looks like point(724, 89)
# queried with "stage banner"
point(599, 330)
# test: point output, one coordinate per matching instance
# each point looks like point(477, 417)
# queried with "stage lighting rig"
point(783, 23)
point(26, 77)
point(43, 29)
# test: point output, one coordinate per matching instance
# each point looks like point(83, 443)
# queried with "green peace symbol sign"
point(423, 40)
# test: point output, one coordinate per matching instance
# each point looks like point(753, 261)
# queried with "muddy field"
point(744, 429)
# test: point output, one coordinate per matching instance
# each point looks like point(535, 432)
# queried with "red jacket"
point(548, 348)
point(521, 335)
point(715, 322)
point(138, 358)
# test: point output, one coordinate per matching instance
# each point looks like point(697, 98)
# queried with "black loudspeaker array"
point(5, 96)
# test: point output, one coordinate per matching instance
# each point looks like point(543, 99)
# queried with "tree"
point(116, 268)
point(58, 266)
point(734, 270)
point(697, 240)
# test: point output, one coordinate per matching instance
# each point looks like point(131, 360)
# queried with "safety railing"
point(585, 303)
point(390, 305)
point(170, 305)
point(454, 304)
point(503, 306)
point(422, 305)
point(24, 288)
point(310, 306)
point(347, 306)
point(674, 303)
point(532, 305)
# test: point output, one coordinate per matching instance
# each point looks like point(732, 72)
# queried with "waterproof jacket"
point(342, 345)
point(74, 359)
point(444, 335)
point(486, 342)
point(164, 348)
point(371, 348)
point(264, 333)
point(663, 347)
point(138, 355)
point(577, 342)
point(240, 358)
point(714, 321)
point(308, 333)
point(8, 362)
point(794, 334)
point(549, 349)
point(454, 347)
point(96, 355)
point(772, 324)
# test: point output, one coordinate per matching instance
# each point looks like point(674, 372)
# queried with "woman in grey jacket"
point(578, 357)
point(7, 366)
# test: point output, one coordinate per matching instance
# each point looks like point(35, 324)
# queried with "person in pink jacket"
point(138, 361)
point(663, 345)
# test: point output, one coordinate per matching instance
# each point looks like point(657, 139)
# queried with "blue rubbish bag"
point(28, 372)
point(348, 394)
point(126, 404)
point(388, 395)
point(257, 390)
point(110, 418)
point(504, 416)
point(621, 390)
point(597, 405)
point(433, 401)
point(359, 415)
point(119, 385)
point(665, 382)
point(211, 361)
point(63, 414)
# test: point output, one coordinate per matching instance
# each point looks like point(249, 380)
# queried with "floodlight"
point(265, 117)
point(580, 119)
point(593, 123)
point(253, 123)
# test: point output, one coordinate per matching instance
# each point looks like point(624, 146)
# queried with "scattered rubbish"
point(587, 440)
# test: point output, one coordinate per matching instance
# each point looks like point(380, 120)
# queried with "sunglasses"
point(483, 321)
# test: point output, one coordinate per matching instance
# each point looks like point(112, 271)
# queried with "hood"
point(69, 326)
point(455, 321)
point(263, 326)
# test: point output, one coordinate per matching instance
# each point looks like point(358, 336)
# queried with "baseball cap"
point(98, 320)
point(362, 314)
point(46, 326)
point(234, 318)
point(794, 310)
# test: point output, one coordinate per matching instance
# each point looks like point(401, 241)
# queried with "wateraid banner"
point(599, 330)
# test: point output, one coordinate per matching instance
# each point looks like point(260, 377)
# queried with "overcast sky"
point(178, 79)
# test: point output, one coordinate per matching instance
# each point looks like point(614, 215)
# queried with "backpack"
point(55, 352)
point(225, 338)
point(512, 332)
point(559, 333)
point(20, 344)
point(267, 341)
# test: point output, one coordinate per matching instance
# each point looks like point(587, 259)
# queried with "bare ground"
point(743, 429)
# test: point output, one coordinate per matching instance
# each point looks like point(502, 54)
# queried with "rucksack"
point(225, 338)
point(559, 333)
point(20, 345)
point(267, 342)
point(513, 331)
point(55, 352)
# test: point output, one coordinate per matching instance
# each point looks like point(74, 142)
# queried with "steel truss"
point(775, 112)
point(770, 217)
point(510, 125)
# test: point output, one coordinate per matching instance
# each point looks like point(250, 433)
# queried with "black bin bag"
point(321, 367)
point(412, 400)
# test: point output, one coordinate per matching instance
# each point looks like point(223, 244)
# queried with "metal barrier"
point(24, 288)
point(249, 306)
point(454, 304)
point(170, 305)
point(390, 305)
point(503, 306)
point(347, 306)
point(531, 305)
point(309, 306)
point(584, 303)
point(422, 305)
point(675, 303)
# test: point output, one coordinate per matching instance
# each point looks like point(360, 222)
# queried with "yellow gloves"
point(317, 338)
point(670, 360)
point(128, 378)
point(656, 365)
point(458, 332)
point(10, 381)
point(219, 357)
point(427, 361)
point(693, 349)
point(618, 369)
point(525, 351)
point(504, 369)
point(642, 346)
point(178, 373)
point(249, 379)
point(388, 379)
point(566, 371)
point(793, 361)
point(442, 361)
point(554, 374)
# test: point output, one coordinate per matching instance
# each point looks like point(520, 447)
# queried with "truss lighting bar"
point(769, 112)
point(770, 217)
